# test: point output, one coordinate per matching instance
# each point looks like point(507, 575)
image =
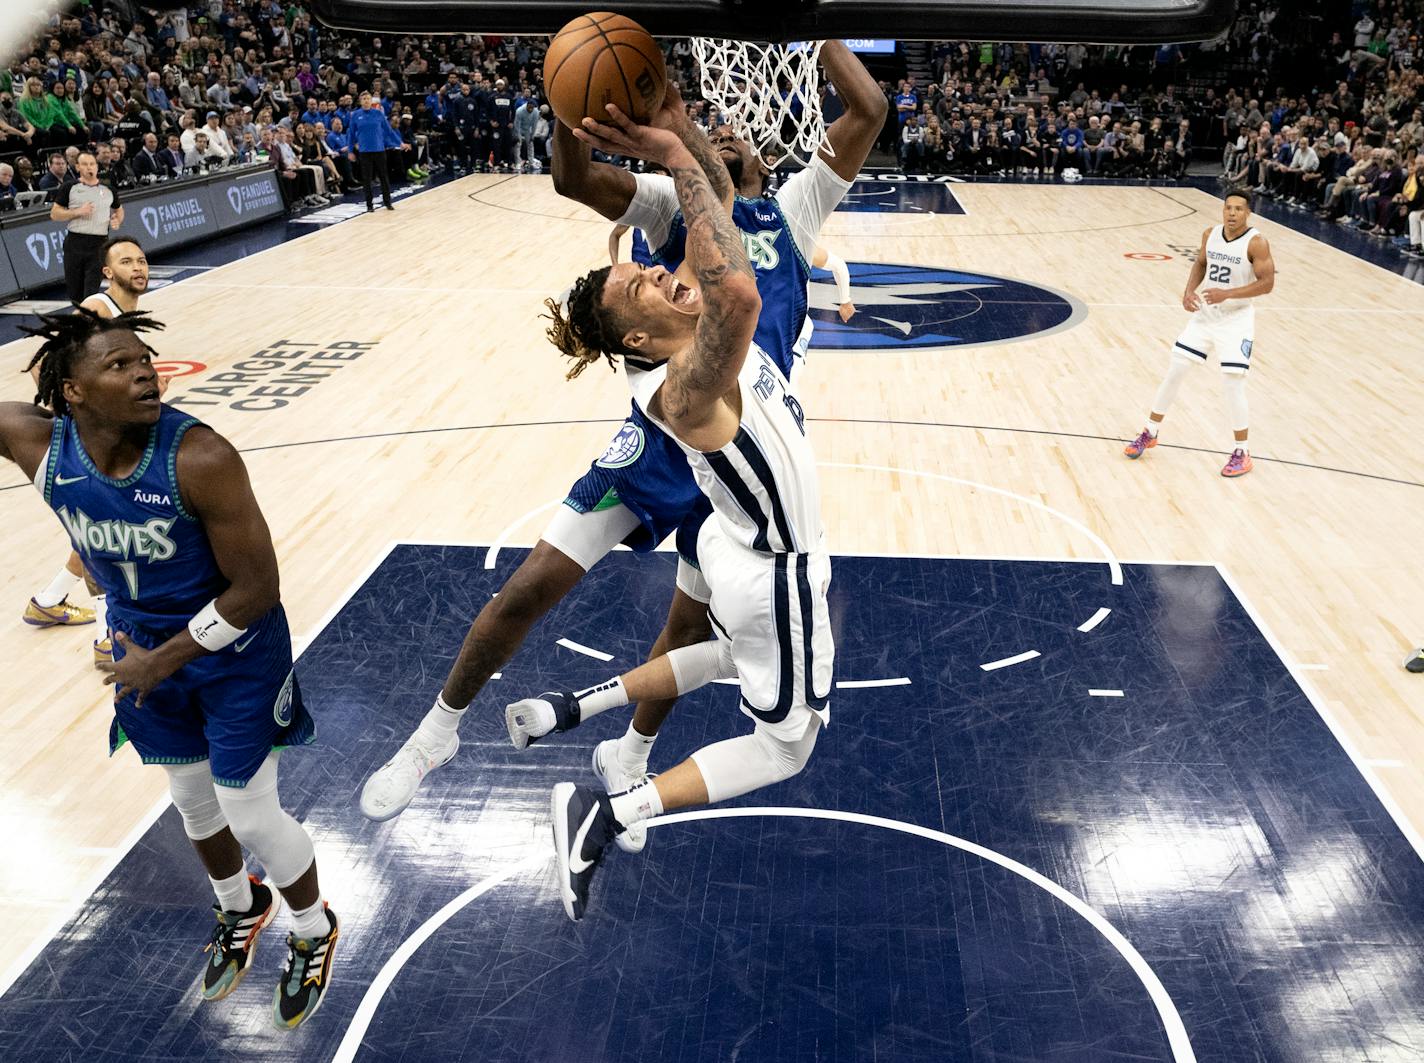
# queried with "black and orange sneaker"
point(303, 984)
point(235, 939)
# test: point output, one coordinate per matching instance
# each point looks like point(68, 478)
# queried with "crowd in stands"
point(1312, 108)
point(1320, 107)
point(162, 95)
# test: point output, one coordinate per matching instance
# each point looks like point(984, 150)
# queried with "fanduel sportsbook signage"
point(246, 198)
point(159, 217)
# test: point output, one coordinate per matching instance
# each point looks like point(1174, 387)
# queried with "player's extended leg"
point(244, 905)
point(539, 584)
point(1234, 383)
point(572, 544)
point(717, 772)
point(1181, 364)
point(621, 763)
point(258, 821)
point(50, 607)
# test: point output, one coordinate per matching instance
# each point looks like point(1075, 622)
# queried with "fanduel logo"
point(901, 308)
point(117, 538)
point(38, 246)
point(174, 217)
point(254, 195)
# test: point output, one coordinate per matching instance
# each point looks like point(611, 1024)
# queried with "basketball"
point(603, 58)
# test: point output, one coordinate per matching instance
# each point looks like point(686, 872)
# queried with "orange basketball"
point(603, 58)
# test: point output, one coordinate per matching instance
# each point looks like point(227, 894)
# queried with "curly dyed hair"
point(65, 337)
point(583, 329)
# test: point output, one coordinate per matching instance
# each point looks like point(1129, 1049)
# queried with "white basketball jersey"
point(1228, 266)
point(763, 484)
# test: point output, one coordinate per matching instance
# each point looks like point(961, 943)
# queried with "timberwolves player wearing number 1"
point(160, 507)
point(1235, 260)
point(702, 380)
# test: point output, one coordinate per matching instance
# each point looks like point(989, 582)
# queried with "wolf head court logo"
point(903, 308)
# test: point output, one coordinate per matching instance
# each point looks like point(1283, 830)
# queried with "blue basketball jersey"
point(640, 252)
point(151, 557)
point(781, 272)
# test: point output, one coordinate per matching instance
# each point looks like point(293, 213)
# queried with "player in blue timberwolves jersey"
point(640, 490)
point(160, 508)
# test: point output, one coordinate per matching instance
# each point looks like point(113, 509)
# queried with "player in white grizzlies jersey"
point(696, 373)
point(1235, 260)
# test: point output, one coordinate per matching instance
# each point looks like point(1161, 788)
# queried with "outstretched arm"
point(607, 189)
point(697, 379)
point(24, 434)
point(853, 134)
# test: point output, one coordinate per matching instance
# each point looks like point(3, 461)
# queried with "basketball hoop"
point(771, 92)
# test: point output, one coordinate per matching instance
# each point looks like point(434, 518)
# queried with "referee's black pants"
point(373, 163)
point(83, 265)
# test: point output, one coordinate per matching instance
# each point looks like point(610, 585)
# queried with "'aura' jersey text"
point(150, 556)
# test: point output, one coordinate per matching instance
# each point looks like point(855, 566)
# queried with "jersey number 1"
point(130, 571)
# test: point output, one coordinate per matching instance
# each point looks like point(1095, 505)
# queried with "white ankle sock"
point(640, 803)
point(1154, 427)
point(601, 698)
point(58, 589)
point(633, 750)
point(440, 724)
point(311, 922)
point(101, 616)
point(234, 893)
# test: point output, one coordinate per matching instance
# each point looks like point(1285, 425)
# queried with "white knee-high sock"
point(1171, 384)
point(1235, 387)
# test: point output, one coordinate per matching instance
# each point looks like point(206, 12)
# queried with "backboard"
point(1085, 21)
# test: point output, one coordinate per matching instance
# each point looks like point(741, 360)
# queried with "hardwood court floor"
point(455, 423)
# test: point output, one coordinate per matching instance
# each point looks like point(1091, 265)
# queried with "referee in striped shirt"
point(91, 207)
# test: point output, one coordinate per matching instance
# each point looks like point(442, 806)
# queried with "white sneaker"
point(609, 770)
point(392, 788)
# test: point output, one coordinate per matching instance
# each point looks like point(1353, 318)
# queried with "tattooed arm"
point(700, 377)
point(673, 115)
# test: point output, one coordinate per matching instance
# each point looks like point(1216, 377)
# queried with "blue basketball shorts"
point(231, 708)
point(646, 472)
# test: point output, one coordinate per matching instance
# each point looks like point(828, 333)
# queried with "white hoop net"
point(770, 93)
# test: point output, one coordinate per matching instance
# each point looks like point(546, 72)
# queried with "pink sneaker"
point(1239, 464)
point(1145, 442)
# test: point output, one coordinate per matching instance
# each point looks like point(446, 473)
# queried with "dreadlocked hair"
point(583, 328)
point(65, 337)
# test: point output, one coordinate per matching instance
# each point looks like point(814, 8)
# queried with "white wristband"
point(211, 631)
